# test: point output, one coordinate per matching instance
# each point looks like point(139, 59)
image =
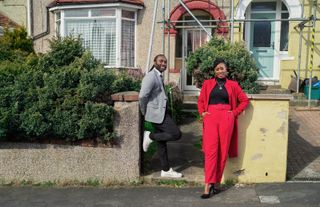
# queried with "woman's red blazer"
point(237, 99)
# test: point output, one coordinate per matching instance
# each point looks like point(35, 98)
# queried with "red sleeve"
point(201, 99)
point(242, 99)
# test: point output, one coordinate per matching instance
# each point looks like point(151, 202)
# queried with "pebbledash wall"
point(263, 146)
point(65, 164)
point(218, 9)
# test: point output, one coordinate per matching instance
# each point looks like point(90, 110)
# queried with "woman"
point(220, 102)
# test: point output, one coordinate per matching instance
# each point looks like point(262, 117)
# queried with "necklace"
point(220, 85)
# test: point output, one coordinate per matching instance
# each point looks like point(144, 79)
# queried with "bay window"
point(109, 33)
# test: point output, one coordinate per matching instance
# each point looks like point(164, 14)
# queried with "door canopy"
point(203, 5)
point(294, 7)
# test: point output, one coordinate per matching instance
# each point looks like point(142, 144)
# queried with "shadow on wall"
point(236, 164)
point(300, 152)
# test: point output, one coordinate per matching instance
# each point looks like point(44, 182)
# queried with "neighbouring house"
point(118, 32)
point(13, 13)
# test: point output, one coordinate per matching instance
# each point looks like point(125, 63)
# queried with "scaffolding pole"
point(167, 26)
point(195, 18)
point(300, 50)
point(232, 22)
point(243, 20)
point(152, 34)
point(164, 26)
point(314, 7)
point(169, 48)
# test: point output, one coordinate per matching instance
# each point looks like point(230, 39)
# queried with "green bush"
point(64, 94)
point(62, 52)
point(175, 101)
point(15, 45)
point(242, 66)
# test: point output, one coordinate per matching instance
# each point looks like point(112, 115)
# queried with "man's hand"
point(204, 113)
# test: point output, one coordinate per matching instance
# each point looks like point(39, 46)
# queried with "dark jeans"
point(166, 131)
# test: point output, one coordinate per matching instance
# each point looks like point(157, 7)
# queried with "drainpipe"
point(30, 17)
point(47, 31)
point(152, 34)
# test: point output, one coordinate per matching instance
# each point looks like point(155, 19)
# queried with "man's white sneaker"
point(171, 174)
point(146, 140)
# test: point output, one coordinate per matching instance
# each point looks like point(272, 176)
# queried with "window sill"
point(116, 67)
point(285, 56)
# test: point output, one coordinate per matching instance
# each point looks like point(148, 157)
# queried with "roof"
point(72, 2)
point(6, 21)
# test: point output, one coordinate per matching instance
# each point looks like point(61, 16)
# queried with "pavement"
point(303, 162)
point(302, 188)
point(285, 195)
point(304, 145)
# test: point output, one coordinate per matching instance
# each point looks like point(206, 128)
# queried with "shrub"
point(242, 67)
point(63, 94)
point(15, 45)
point(175, 101)
point(62, 52)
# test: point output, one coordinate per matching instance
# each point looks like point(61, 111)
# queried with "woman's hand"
point(204, 113)
point(231, 112)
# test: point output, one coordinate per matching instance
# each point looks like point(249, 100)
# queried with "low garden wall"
point(263, 141)
point(63, 164)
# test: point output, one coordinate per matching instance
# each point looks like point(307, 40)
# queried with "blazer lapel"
point(229, 90)
point(158, 78)
point(211, 86)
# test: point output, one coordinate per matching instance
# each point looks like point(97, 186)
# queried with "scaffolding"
point(168, 24)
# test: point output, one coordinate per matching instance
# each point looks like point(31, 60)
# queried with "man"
point(153, 104)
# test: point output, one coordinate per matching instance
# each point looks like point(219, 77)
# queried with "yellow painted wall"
point(263, 143)
point(287, 66)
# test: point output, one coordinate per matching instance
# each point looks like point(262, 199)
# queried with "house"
point(13, 14)
point(118, 32)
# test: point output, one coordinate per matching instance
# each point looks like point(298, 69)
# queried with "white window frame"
point(2, 31)
point(118, 17)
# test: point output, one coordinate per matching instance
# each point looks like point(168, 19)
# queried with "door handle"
point(262, 50)
point(272, 45)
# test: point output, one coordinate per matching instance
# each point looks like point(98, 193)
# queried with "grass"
point(92, 182)
point(173, 183)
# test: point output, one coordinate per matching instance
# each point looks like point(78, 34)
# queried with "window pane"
point(128, 14)
point(76, 13)
point(103, 12)
point(1, 31)
point(179, 44)
point(284, 38)
point(99, 36)
point(264, 6)
point(58, 16)
point(194, 23)
point(262, 34)
point(127, 43)
point(284, 7)
point(58, 28)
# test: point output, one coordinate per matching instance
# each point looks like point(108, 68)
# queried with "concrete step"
point(275, 91)
point(190, 97)
point(304, 102)
point(265, 87)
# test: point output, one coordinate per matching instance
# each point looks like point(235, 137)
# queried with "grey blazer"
point(153, 98)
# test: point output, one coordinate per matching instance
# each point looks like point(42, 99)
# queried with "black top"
point(219, 94)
